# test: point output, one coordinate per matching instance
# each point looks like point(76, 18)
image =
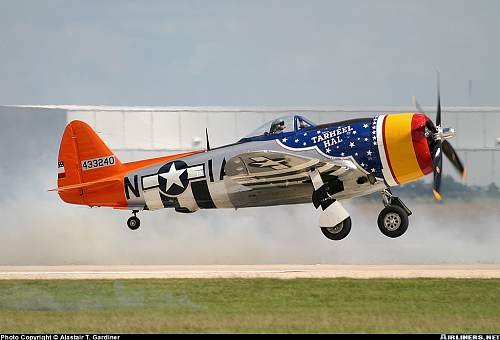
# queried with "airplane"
point(289, 160)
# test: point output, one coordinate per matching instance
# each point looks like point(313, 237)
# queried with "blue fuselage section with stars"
point(355, 138)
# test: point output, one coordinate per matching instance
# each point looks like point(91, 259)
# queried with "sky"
point(249, 53)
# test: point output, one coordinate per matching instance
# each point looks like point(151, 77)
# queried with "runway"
point(481, 271)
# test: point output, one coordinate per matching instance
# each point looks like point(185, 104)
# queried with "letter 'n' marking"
point(134, 188)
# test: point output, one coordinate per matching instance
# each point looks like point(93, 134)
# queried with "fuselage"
point(391, 148)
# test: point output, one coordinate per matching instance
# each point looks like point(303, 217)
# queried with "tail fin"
point(83, 158)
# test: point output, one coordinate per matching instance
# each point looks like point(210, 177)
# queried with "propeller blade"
point(438, 110)
point(454, 159)
point(437, 195)
point(417, 105)
point(437, 166)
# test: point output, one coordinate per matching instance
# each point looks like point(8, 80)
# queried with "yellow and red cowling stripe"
point(403, 147)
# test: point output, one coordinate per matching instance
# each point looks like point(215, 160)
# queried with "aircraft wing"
point(270, 168)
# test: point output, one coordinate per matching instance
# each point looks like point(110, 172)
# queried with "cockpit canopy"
point(280, 125)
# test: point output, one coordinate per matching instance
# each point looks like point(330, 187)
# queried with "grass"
point(251, 305)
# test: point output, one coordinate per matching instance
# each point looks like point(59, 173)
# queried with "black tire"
point(133, 223)
point(393, 221)
point(339, 231)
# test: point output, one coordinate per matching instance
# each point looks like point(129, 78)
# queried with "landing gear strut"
point(133, 222)
point(393, 219)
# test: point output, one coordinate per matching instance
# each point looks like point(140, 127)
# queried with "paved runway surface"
point(248, 271)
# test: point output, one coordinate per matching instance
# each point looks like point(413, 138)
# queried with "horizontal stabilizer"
point(88, 185)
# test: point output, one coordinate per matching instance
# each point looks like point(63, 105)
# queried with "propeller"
point(438, 142)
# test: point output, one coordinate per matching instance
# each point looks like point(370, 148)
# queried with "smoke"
point(39, 229)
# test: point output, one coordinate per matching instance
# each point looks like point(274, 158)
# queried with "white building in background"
point(136, 131)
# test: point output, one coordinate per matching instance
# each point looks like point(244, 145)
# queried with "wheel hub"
point(336, 229)
point(392, 221)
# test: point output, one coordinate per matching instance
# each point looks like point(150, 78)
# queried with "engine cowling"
point(404, 147)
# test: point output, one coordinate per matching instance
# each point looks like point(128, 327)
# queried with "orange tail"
point(89, 172)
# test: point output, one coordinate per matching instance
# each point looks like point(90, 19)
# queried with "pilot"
point(277, 126)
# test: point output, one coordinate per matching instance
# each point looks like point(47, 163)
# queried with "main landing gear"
point(134, 222)
point(334, 221)
point(339, 231)
point(393, 219)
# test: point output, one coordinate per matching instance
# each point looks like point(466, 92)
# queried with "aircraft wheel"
point(393, 221)
point(133, 223)
point(339, 231)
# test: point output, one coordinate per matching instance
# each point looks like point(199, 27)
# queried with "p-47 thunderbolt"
point(290, 160)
